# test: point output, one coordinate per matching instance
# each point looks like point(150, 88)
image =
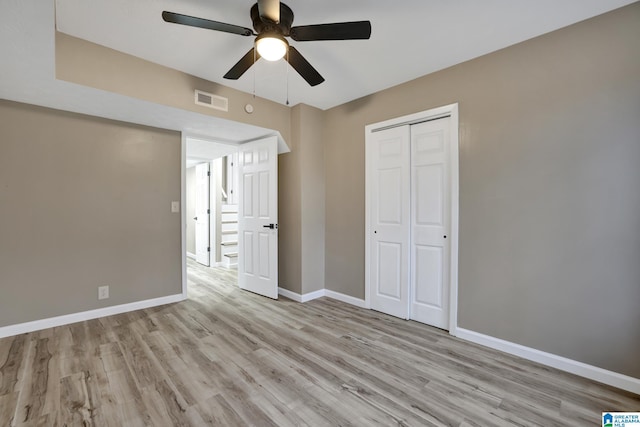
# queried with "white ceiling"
point(410, 38)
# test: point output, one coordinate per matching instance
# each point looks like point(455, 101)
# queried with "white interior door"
point(389, 194)
point(258, 217)
point(202, 214)
point(430, 222)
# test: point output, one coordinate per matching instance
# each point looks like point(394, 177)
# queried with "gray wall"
point(190, 213)
point(289, 211)
point(84, 202)
point(549, 201)
point(312, 198)
point(301, 207)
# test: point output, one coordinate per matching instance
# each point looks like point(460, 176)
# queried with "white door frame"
point(432, 114)
point(199, 200)
point(183, 212)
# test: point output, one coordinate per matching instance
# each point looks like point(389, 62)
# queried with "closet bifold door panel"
point(409, 202)
point(389, 215)
point(430, 218)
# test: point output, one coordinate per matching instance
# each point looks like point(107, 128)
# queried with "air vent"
point(212, 101)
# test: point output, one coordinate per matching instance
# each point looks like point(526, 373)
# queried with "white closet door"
point(389, 216)
point(430, 222)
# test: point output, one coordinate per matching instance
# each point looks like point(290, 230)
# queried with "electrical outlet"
point(103, 292)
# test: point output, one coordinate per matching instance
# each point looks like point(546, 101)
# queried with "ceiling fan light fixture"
point(271, 46)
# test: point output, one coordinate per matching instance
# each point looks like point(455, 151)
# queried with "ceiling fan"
point(272, 22)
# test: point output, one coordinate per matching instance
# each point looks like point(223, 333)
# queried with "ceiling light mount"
point(271, 46)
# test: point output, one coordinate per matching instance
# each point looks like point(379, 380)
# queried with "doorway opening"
point(212, 211)
point(211, 208)
point(230, 210)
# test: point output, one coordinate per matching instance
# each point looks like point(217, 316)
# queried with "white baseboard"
point(36, 325)
point(345, 298)
point(289, 294)
point(313, 295)
point(190, 255)
point(321, 293)
point(564, 364)
point(300, 298)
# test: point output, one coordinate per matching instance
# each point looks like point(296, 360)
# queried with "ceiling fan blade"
point(358, 30)
point(243, 65)
point(269, 10)
point(303, 67)
point(192, 21)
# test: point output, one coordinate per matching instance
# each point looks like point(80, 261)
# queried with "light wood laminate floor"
point(231, 358)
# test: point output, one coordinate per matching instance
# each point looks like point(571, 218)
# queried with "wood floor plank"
point(132, 416)
point(127, 397)
point(76, 399)
point(229, 357)
point(216, 411)
point(12, 363)
point(8, 406)
point(5, 348)
point(33, 394)
point(123, 386)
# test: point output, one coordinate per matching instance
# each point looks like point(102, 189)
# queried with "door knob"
point(271, 226)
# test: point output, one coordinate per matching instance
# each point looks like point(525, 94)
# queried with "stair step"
point(229, 222)
point(229, 243)
point(232, 255)
point(229, 232)
point(230, 208)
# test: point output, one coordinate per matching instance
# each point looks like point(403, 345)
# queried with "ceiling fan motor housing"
point(283, 27)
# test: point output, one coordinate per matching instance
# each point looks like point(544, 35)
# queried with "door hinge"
point(208, 211)
point(208, 249)
point(208, 173)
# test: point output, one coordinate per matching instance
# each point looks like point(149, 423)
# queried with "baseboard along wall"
point(611, 378)
point(37, 325)
point(319, 294)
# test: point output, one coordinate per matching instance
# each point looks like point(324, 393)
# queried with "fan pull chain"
point(287, 65)
point(254, 73)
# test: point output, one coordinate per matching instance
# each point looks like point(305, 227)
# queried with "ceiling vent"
point(212, 101)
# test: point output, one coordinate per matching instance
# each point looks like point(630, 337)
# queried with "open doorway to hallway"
point(233, 191)
point(211, 204)
point(212, 212)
